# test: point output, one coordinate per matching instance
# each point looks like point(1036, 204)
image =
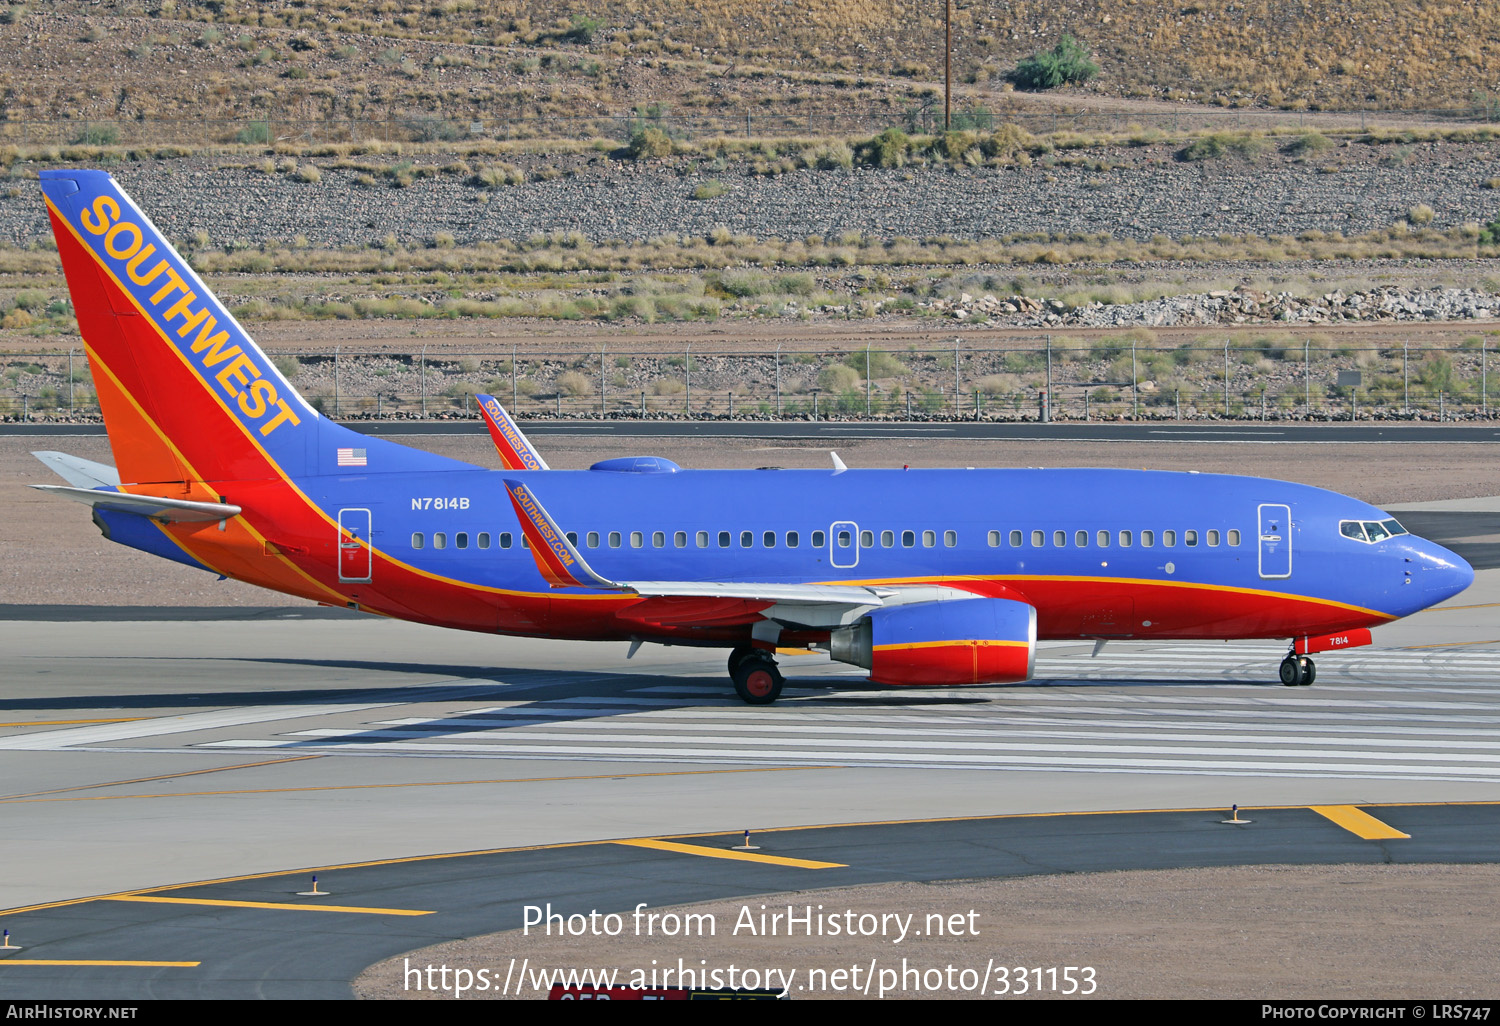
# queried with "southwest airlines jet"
point(922, 577)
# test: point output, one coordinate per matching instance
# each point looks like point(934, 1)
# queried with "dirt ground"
point(1262, 932)
point(54, 554)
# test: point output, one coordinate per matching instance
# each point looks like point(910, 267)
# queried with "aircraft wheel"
point(1309, 671)
point(1291, 671)
point(739, 655)
point(757, 681)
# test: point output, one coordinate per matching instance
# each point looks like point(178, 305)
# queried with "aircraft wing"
point(805, 605)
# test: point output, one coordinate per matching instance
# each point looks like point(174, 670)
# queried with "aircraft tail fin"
point(187, 395)
point(558, 559)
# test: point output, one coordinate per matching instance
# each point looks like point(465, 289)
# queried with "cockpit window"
point(1370, 531)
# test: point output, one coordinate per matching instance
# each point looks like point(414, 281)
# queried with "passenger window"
point(791, 539)
point(1103, 539)
point(572, 539)
point(1060, 539)
point(867, 538)
point(1169, 538)
point(819, 539)
point(723, 539)
point(417, 540)
point(1190, 538)
point(994, 539)
point(929, 539)
point(637, 539)
point(461, 540)
point(1148, 539)
point(1081, 539)
point(950, 539)
point(888, 539)
point(440, 540)
point(747, 539)
point(845, 539)
point(679, 539)
point(768, 539)
point(1213, 538)
point(1038, 539)
point(1015, 539)
point(593, 539)
point(525, 542)
point(703, 539)
point(658, 539)
point(908, 539)
point(614, 539)
point(1125, 539)
point(505, 539)
point(484, 539)
point(1234, 537)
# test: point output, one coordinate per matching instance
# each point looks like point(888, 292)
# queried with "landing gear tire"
point(739, 655)
point(757, 680)
point(1309, 671)
point(1291, 671)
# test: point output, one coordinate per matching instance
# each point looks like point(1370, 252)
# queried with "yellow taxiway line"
point(222, 903)
point(725, 853)
point(1358, 822)
point(98, 961)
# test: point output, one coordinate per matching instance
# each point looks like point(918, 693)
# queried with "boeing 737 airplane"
point(922, 577)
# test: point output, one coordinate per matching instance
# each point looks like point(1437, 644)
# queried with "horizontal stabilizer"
point(174, 510)
point(79, 473)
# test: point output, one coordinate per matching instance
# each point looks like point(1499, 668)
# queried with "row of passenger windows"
point(843, 539)
point(1124, 539)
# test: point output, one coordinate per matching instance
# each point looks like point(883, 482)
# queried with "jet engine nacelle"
point(964, 641)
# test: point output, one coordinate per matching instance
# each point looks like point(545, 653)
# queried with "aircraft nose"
point(1441, 573)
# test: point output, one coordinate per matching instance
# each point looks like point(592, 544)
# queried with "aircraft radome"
point(922, 577)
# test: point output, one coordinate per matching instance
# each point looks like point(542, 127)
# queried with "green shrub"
point(839, 377)
point(888, 149)
point(97, 135)
point(648, 143)
point(1067, 63)
point(255, 132)
point(583, 28)
point(709, 190)
point(1308, 144)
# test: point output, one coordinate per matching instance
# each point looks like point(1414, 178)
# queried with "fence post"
point(643, 404)
point(514, 387)
point(1484, 379)
point(1135, 395)
point(70, 383)
point(424, 382)
point(603, 409)
point(1047, 406)
point(687, 399)
point(957, 391)
point(867, 377)
point(1405, 378)
point(1226, 379)
point(337, 409)
point(1307, 376)
point(778, 358)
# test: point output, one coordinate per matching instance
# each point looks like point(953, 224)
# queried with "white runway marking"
point(1187, 709)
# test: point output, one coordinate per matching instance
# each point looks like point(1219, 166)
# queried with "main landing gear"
point(1298, 671)
point(756, 679)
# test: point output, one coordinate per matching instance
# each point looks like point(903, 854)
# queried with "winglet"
point(516, 451)
point(838, 464)
point(556, 558)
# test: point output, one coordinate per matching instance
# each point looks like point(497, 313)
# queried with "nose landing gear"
point(756, 679)
point(1298, 671)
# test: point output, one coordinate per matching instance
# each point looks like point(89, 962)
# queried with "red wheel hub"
point(760, 683)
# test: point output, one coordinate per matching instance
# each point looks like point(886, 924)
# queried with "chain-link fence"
point(1269, 378)
point(759, 123)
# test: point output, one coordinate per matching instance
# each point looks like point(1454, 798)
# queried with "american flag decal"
point(352, 458)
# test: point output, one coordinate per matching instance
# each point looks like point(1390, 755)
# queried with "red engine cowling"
point(963, 641)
